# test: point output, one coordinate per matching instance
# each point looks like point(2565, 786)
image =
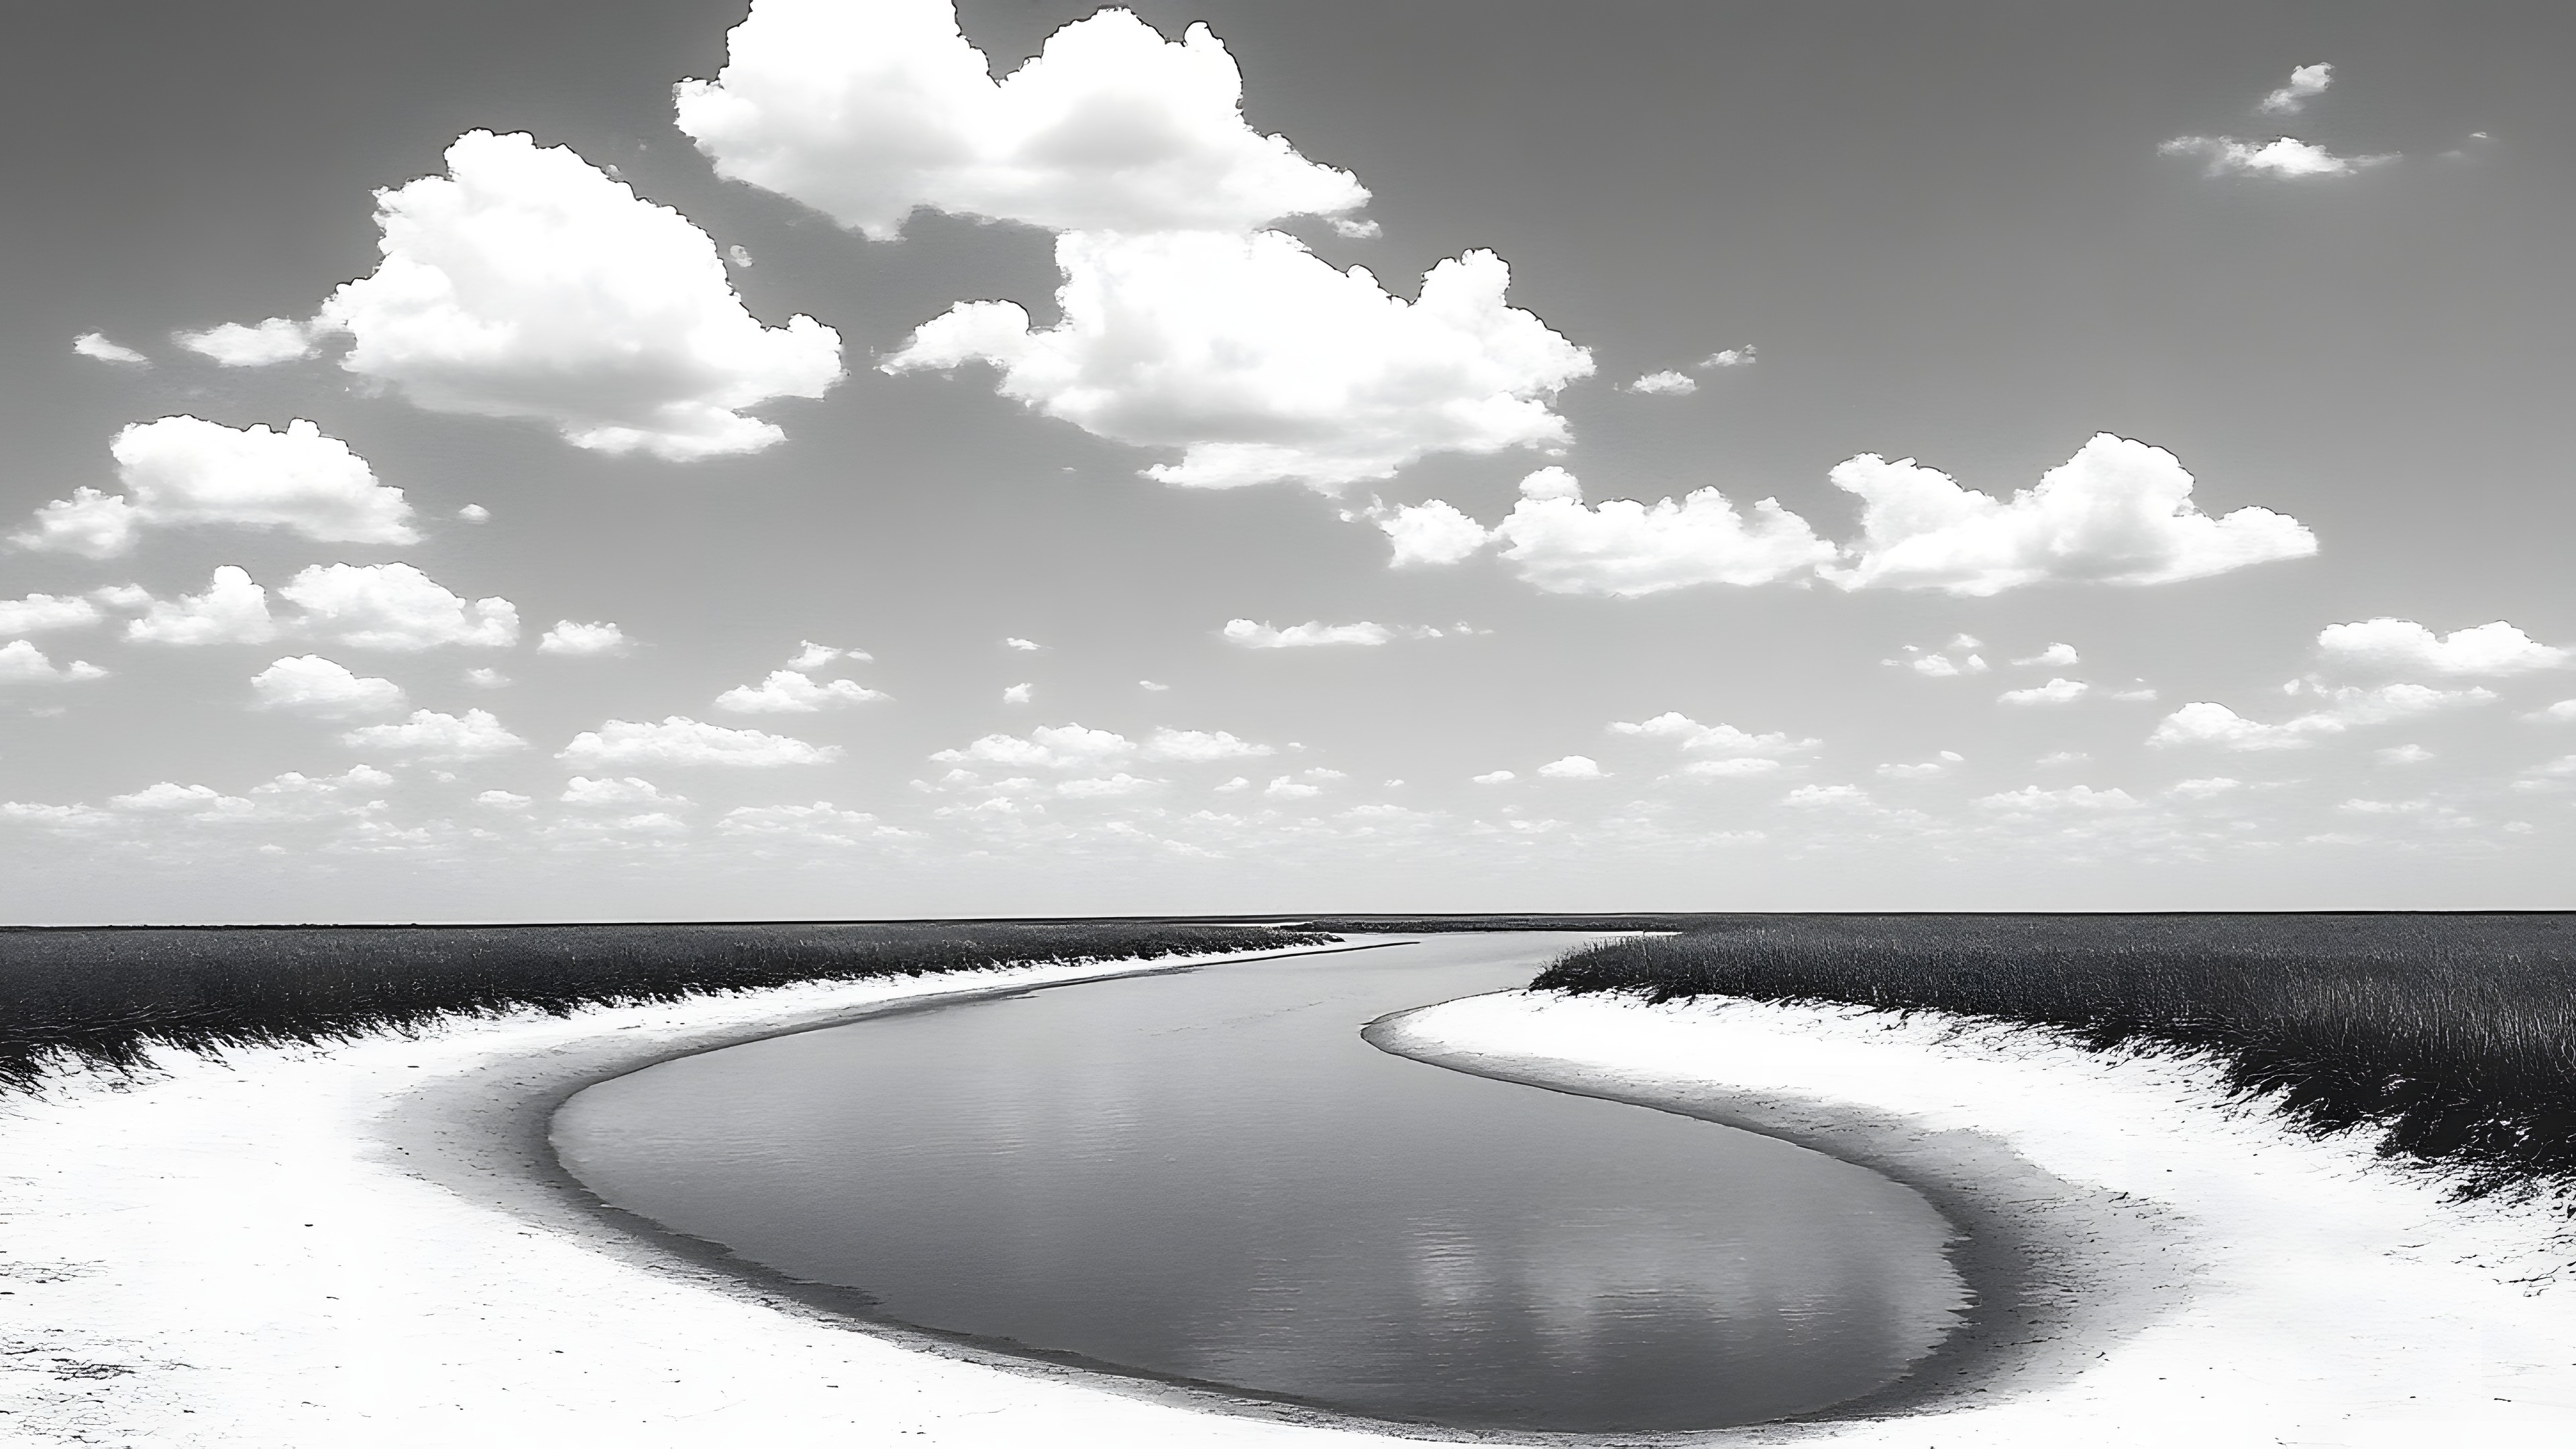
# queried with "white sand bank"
point(363, 1245)
point(2256, 1287)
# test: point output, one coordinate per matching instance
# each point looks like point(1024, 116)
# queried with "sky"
point(689, 459)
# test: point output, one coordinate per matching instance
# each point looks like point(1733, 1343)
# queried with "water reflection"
point(1210, 1176)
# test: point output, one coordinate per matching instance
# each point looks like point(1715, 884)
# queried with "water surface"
point(1208, 1176)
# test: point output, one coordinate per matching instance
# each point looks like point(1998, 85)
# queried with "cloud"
point(1666, 383)
point(567, 637)
point(38, 612)
point(24, 663)
point(582, 790)
point(1494, 777)
point(2402, 755)
point(790, 691)
point(1024, 645)
point(475, 513)
point(1050, 747)
point(487, 679)
point(2055, 691)
point(232, 610)
point(2032, 800)
point(1432, 533)
point(429, 735)
point(811, 656)
point(1197, 747)
point(2206, 723)
point(1940, 764)
point(276, 340)
point(171, 798)
point(2305, 82)
point(311, 684)
point(1572, 767)
point(819, 823)
point(527, 284)
point(1730, 357)
point(182, 470)
point(2402, 645)
point(1624, 548)
point(2563, 710)
point(1826, 797)
point(2057, 656)
point(1717, 739)
point(1018, 693)
point(1309, 635)
point(1940, 665)
point(92, 344)
point(2282, 158)
point(396, 606)
point(2118, 512)
point(865, 113)
point(503, 800)
point(678, 740)
point(1151, 685)
point(1261, 362)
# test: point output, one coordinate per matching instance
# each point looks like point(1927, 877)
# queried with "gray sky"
point(1971, 235)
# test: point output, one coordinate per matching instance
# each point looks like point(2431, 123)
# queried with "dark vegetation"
point(2452, 1037)
point(106, 996)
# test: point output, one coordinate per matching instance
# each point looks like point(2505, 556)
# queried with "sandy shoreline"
point(234, 1253)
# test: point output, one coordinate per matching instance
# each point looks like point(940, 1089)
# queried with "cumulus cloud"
point(502, 800)
point(1625, 548)
point(2306, 82)
point(2205, 723)
point(232, 610)
point(678, 740)
point(1051, 747)
point(1018, 693)
point(182, 470)
point(582, 790)
point(792, 691)
point(487, 679)
point(2055, 691)
point(2564, 710)
point(279, 339)
point(169, 797)
point(2118, 512)
point(475, 513)
point(1494, 777)
point(1729, 357)
point(24, 663)
point(1572, 767)
point(1951, 661)
point(568, 637)
point(527, 284)
point(1717, 739)
point(1196, 747)
point(1826, 797)
point(2057, 656)
point(396, 606)
point(2033, 800)
point(2404, 646)
point(1310, 635)
point(811, 656)
point(1024, 645)
point(429, 735)
point(92, 344)
point(1940, 764)
point(866, 112)
point(1666, 383)
point(2402, 755)
point(1261, 362)
point(1432, 533)
point(2282, 158)
point(38, 612)
point(311, 684)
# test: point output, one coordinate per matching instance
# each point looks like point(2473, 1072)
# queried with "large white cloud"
point(1625, 548)
point(396, 606)
point(93, 344)
point(184, 470)
point(24, 663)
point(1262, 362)
point(2117, 512)
point(38, 612)
point(2306, 81)
point(311, 684)
point(2282, 158)
point(232, 610)
point(791, 691)
point(2402, 645)
point(526, 283)
point(2204, 722)
point(679, 740)
point(865, 111)
point(1431, 534)
point(279, 339)
point(585, 640)
point(429, 735)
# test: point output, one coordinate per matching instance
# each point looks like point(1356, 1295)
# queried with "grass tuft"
point(108, 996)
point(2451, 1037)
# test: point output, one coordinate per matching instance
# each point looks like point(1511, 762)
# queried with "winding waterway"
point(1208, 1177)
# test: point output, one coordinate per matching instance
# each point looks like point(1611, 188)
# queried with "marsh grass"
point(2452, 1038)
point(107, 996)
